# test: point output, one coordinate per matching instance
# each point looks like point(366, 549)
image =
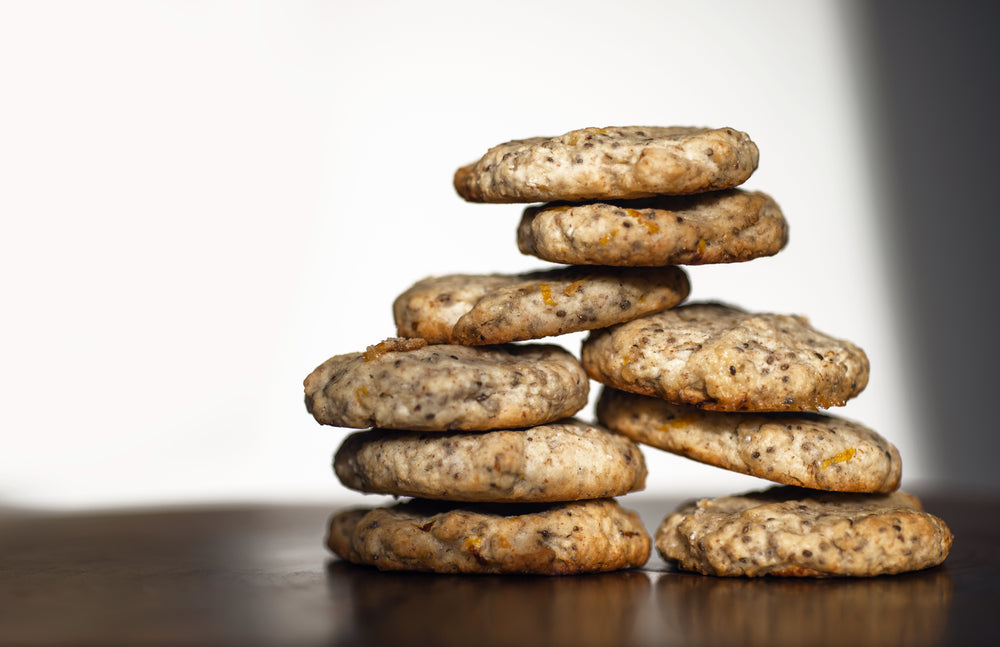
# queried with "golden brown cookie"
point(800, 448)
point(725, 359)
point(794, 532)
point(718, 227)
point(498, 308)
point(445, 387)
point(560, 461)
point(547, 539)
point(610, 163)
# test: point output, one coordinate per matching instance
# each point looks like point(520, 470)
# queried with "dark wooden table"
point(260, 576)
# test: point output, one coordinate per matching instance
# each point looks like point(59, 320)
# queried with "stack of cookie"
point(734, 389)
point(742, 391)
point(503, 480)
point(474, 425)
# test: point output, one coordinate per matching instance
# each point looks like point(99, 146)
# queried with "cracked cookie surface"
point(610, 163)
point(805, 449)
point(497, 308)
point(561, 461)
point(722, 358)
point(446, 387)
point(547, 539)
point(794, 532)
point(718, 227)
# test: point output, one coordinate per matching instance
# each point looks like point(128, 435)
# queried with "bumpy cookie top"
point(723, 358)
point(610, 163)
point(794, 532)
point(805, 449)
point(549, 539)
point(561, 461)
point(440, 388)
point(494, 308)
point(717, 227)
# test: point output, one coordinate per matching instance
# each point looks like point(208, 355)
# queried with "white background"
point(203, 201)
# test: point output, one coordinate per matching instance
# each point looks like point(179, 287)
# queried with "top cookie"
point(498, 308)
point(405, 384)
point(610, 163)
point(717, 227)
point(725, 359)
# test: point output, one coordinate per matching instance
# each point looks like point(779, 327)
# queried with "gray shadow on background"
point(932, 72)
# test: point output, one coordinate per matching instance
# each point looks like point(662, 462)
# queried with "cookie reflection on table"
point(407, 608)
point(908, 609)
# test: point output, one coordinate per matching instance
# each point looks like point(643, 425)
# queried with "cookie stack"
point(742, 391)
point(464, 414)
point(503, 480)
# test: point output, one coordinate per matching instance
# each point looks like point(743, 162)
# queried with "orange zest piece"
point(677, 423)
point(651, 227)
point(843, 456)
point(547, 294)
point(574, 287)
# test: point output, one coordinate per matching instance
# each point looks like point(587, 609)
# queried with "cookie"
point(498, 308)
point(561, 461)
point(548, 539)
point(804, 533)
point(444, 387)
point(610, 164)
point(806, 449)
point(725, 359)
point(719, 227)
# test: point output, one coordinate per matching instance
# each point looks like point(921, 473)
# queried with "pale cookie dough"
point(548, 539)
point(498, 308)
point(561, 461)
point(804, 533)
point(610, 163)
point(805, 449)
point(441, 388)
point(722, 358)
point(719, 227)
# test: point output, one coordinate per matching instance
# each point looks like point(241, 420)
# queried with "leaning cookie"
point(718, 227)
point(547, 539)
point(406, 384)
point(725, 359)
point(498, 308)
point(804, 533)
point(806, 449)
point(561, 461)
point(610, 163)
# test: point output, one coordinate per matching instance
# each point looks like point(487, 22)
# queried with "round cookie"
point(805, 449)
point(562, 461)
point(497, 308)
point(547, 539)
point(405, 384)
point(610, 163)
point(718, 227)
point(725, 359)
point(804, 533)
